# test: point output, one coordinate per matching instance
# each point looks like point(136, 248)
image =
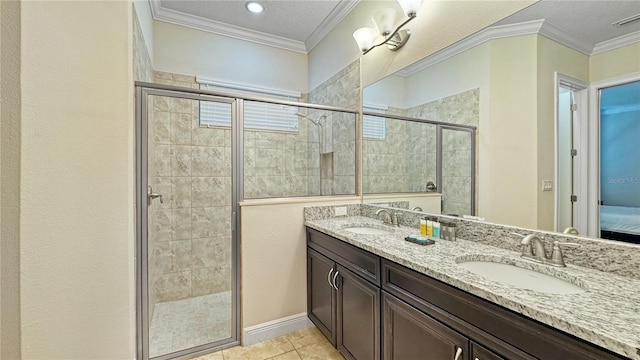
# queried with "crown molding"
point(494, 32)
point(199, 23)
point(541, 27)
point(558, 35)
point(615, 43)
point(328, 24)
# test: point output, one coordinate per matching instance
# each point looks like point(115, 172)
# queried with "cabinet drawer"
point(514, 336)
point(479, 352)
point(357, 260)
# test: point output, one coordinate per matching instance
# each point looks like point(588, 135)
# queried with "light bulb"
point(384, 20)
point(364, 37)
point(410, 7)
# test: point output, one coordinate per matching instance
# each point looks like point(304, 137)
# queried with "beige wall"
point(77, 221)
point(273, 250)
point(450, 20)
point(552, 57)
point(10, 121)
point(513, 111)
point(182, 50)
point(621, 61)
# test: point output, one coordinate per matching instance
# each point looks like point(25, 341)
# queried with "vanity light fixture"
point(384, 20)
point(254, 7)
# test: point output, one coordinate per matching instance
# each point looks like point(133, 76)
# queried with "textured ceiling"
point(588, 21)
point(295, 20)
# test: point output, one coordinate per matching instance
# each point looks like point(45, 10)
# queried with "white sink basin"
point(366, 230)
point(521, 278)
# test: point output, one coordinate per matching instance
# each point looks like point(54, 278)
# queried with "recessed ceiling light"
point(254, 7)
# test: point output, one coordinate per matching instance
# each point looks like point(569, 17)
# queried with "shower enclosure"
point(408, 153)
point(189, 291)
point(199, 153)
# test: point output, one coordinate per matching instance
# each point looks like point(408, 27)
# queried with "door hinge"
point(574, 198)
point(574, 152)
point(574, 107)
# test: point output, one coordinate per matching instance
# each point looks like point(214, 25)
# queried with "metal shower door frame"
point(142, 93)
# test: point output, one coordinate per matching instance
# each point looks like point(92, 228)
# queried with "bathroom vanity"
point(376, 296)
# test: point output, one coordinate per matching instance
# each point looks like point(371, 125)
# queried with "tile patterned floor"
point(308, 344)
point(182, 324)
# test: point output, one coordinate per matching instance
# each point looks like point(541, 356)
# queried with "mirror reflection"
point(530, 86)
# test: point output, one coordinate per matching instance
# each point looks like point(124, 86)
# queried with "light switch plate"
point(547, 185)
point(340, 211)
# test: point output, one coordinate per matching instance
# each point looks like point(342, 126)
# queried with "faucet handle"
point(395, 219)
point(557, 258)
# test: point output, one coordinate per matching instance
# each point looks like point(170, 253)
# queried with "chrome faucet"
point(533, 249)
point(389, 217)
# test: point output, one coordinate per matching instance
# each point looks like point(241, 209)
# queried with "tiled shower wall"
point(461, 109)
point(402, 160)
point(406, 159)
point(190, 234)
point(336, 169)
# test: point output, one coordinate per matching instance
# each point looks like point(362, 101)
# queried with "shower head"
point(315, 122)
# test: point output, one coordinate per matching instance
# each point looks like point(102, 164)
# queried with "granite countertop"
point(606, 314)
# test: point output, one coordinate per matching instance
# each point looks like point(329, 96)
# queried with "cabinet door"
point(409, 334)
point(479, 352)
point(321, 297)
point(358, 332)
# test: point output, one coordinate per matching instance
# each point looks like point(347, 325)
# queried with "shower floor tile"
point(182, 324)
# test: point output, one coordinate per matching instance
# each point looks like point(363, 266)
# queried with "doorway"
point(570, 145)
point(619, 115)
point(187, 206)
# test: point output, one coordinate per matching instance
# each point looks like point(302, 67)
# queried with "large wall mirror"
point(529, 86)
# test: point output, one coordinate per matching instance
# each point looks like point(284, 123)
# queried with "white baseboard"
point(273, 329)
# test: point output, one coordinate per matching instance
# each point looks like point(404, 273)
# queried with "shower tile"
point(211, 252)
point(249, 139)
point(180, 129)
point(181, 223)
point(210, 161)
point(181, 160)
point(181, 192)
point(172, 256)
point(161, 127)
point(161, 229)
point(173, 286)
point(211, 280)
point(204, 136)
point(180, 105)
point(210, 221)
point(211, 191)
point(269, 140)
point(162, 160)
point(160, 103)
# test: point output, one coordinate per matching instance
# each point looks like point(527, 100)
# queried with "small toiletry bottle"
point(452, 231)
point(423, 227)
point(436, 229)
point(429, 227)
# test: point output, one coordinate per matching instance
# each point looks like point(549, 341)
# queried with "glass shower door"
point(458, 167)
point(188, 266)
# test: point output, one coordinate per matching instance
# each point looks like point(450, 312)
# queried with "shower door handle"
point(151, 195)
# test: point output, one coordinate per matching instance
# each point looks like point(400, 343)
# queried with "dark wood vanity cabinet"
point(373, 308)
point(411, 334)
point(321, 297)
point(343, 295)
